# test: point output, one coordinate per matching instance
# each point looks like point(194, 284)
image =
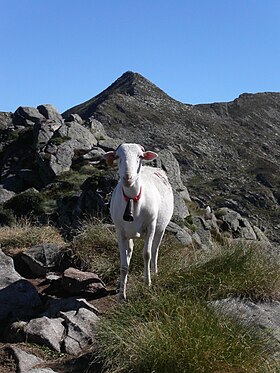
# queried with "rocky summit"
point(228, 152)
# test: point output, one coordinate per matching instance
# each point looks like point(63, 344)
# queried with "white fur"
point(152, 212)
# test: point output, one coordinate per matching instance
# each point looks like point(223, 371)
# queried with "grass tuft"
point(96, 248)
point(239, 270)
point(23, 234)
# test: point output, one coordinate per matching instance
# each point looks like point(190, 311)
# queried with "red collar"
point(135, 198)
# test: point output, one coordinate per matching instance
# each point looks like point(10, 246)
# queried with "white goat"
point(141, 206)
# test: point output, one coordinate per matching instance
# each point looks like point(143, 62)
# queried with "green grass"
point(170, 328)
point(239, 270)
point(162, 332)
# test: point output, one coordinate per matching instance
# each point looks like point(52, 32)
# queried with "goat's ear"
point(110, 157)
point(149, 156)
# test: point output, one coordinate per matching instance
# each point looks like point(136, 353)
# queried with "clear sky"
point(64, 52)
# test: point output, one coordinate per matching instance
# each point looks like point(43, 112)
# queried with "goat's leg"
point(155, 247)
point(130, 250)
point(147, 253)
point(125, 250)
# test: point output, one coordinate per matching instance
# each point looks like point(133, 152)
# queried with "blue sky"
point(64, 52)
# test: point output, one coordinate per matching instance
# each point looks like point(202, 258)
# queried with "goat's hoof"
point(122, 298)
point(148, 283)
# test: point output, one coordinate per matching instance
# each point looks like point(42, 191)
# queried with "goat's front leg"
point(125, 249)
point(147, 253)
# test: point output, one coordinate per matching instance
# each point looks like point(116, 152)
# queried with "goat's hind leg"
point(155, 248)
point(147, 253)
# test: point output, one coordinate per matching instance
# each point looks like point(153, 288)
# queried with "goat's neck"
point(134, 189)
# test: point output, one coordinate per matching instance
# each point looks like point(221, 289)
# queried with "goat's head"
point(129, 157)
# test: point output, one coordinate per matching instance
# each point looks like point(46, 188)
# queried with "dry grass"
point(96, 248)
point(24, 234)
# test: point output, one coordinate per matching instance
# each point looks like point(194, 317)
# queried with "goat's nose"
point(127, 178)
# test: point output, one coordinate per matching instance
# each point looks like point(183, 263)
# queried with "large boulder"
point(19, 300)
point(170, 165)
point(43, 132)
point(43, 258)
point(80, 330)
point(46, 331)
point(50, 112)
point(27, 116)
point(69, 140)
point(18, 297)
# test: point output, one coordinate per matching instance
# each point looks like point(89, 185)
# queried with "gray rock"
point(95, 154)
point(6, 120)
point(203, 231)
point(78, 282)
point(19, 300)
point(74, 118)
point(50, 112)
point(265, 316)
point(55, 159)
point(43, 132)
point(97, 129)
point(46, 331)
point(8, 274)
point(55, 306)
point(260, 235)
point(110, 144)
point(182, 234)
point(5, 194)
point(80, 328)
point(25, 362)
point(27, 116)
point(168, 162)
point(82, 138)
point(43, 258)
point(232, 222)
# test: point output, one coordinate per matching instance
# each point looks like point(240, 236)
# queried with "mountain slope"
point(229, 152)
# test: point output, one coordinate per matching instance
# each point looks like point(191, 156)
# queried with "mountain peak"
point(128, 84)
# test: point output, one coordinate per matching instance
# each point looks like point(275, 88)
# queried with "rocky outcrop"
point(64, 324)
